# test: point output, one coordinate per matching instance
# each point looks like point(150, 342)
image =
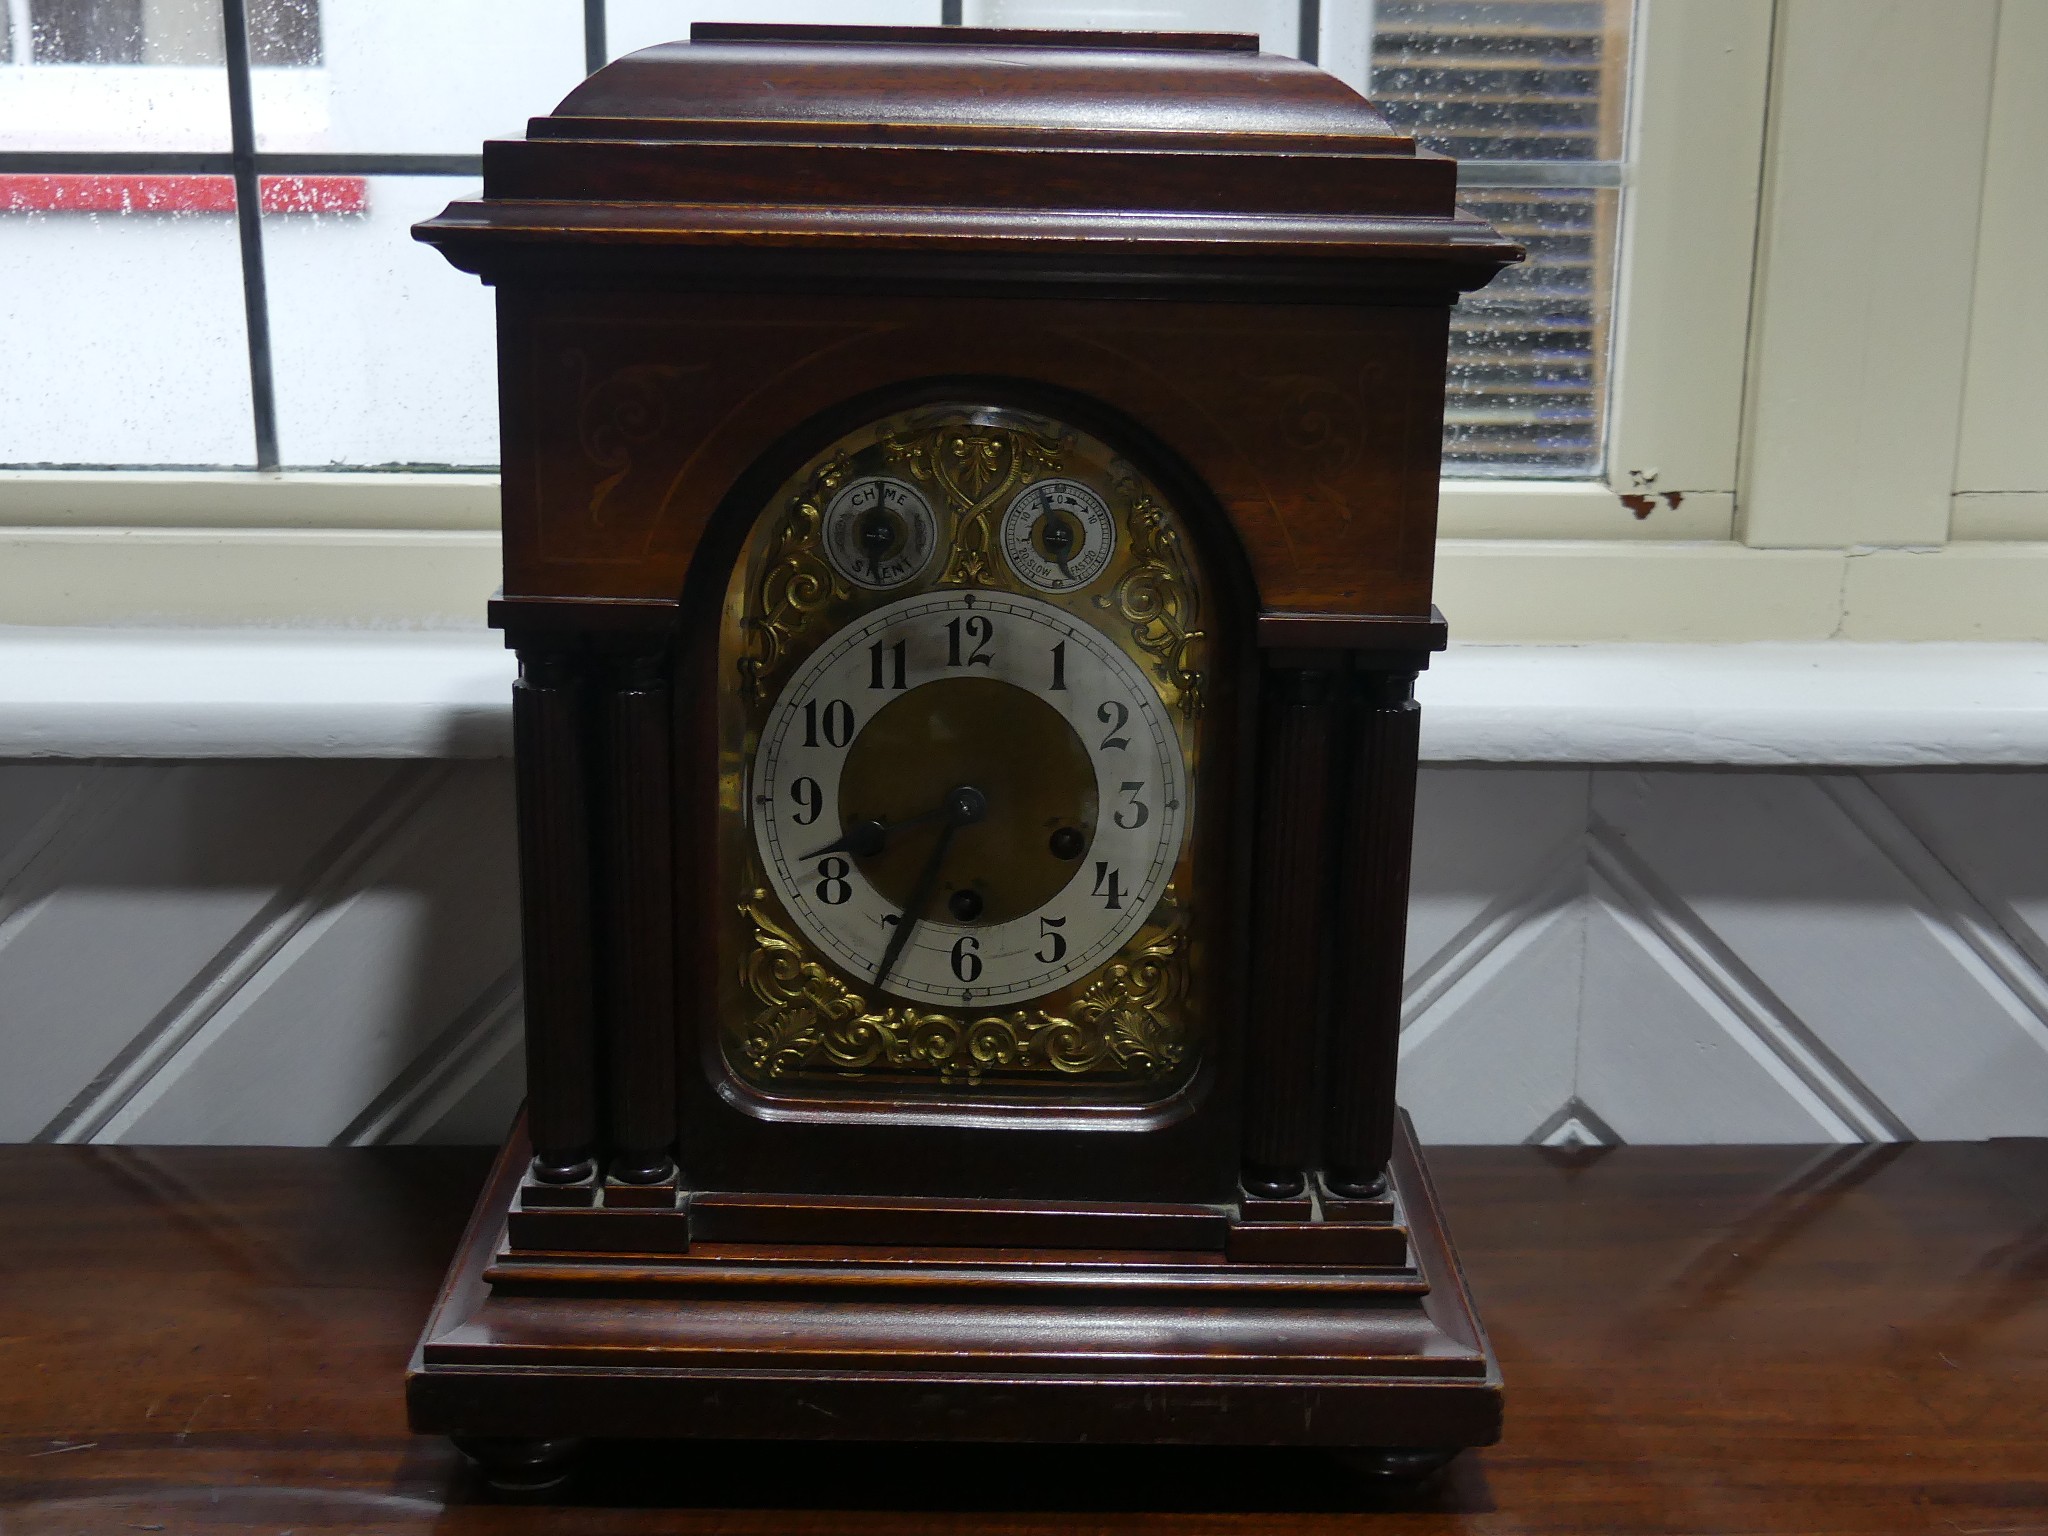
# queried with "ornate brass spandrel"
point(795, 585)
point(1157, 599)
point(1130, 1031)
point(976, 467)
point(805, 1027)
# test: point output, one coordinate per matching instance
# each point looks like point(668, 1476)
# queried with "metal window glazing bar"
point(234, 15)
point(1472, 174)
point(91, 162)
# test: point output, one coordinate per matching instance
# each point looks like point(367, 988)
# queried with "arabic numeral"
point(835, 721)
point(1049, 930)
point(1138, 811)
point(1109, 886)
point(833, 887)
point(880, 652)
point(979, 632)
point(1116, 715)
point(1059, 667)
point(808, 797)
point(967, 957)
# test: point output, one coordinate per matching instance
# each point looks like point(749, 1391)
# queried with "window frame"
point(1666, 547)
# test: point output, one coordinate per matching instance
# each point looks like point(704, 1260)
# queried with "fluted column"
point(1382, 726)
point(639, 934)
point(1291, 890)
point(555, 916)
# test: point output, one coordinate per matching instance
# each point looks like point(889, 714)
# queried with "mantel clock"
point(969, 500)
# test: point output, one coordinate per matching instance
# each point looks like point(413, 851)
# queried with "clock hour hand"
point(876, 535)
point(865, 839)
point(962, 807)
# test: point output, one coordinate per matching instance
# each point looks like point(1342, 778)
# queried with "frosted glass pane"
point(121, 340)
point(112, 74)
point(634, 24)
point(384, 353)
point(1527, 391)
point(1505, 79)
point(422, 78)
point(1500, 81)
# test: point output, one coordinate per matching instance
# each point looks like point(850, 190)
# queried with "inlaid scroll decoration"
point(621, 415)
point(805, 1024)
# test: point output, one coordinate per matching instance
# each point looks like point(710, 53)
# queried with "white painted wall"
point(326, 952)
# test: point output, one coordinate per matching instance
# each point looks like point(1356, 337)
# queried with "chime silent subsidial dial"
point(879, 532)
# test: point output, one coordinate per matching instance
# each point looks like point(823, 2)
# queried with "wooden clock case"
point(711, 257)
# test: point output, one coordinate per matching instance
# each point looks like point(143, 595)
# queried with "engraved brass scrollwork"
point(976, 467)
point(1126, 1022)
point(1155, 598)
point(796, 583)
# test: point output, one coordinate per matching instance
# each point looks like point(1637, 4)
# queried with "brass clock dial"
point(1078, 793)
point(960, 761)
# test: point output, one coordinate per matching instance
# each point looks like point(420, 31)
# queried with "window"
point(1529, 96)
point(164, 325)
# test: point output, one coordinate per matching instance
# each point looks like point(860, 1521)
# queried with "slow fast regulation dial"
point(1058, 535)
point(968, 798)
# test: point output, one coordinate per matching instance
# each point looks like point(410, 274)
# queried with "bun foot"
point(1396, 1463)
point(520, 1466)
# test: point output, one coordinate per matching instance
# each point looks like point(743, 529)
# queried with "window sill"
point(183, 693)
point(339, 694)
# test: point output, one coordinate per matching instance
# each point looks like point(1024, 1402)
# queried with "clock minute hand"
point(962, 807)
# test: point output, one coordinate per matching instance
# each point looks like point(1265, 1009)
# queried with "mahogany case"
point(1234, 264)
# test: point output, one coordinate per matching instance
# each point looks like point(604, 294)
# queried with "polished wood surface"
point(1698, 1340)
point(630, 420)
point(948, 1321)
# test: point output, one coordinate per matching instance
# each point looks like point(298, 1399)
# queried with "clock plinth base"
point(1238, 1342)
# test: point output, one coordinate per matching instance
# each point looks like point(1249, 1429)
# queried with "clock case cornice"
point(1188, 165)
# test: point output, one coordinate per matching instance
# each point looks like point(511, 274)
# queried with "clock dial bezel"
point(1126, 1039)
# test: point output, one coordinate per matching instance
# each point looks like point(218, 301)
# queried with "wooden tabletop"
point(1694, 1339)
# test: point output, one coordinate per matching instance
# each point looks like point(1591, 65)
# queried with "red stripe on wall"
point(178, 194)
